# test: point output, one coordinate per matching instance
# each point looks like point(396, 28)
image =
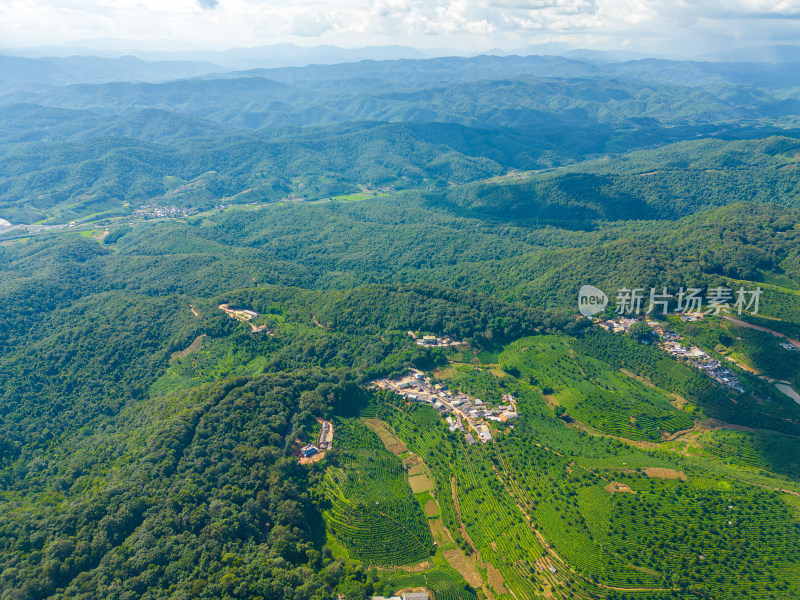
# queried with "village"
point(669, 341)
point(460, 411)
point(155, 210)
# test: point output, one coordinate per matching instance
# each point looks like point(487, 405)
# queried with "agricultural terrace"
point(759, 450)
point(373, 512)
point(592, 391)
point(444, 582)
point(540, 508)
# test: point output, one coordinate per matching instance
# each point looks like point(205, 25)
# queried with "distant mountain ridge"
point(264, 56)
point(93, 69)
point(70, 151)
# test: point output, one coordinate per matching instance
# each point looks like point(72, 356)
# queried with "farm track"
point(758, 328)
point(549, 552)
point(464, 534)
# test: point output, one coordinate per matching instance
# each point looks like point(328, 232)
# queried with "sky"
point(649, 26)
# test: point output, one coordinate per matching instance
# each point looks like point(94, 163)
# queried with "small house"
point(309, 450)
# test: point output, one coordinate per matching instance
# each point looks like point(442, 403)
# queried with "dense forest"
point(149, 434)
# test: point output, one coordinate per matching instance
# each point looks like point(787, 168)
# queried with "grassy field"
point(358, 196)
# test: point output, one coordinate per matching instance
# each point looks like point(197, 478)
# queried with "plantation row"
point(564, 499)
point(444, 582)
point(498, 529)
point(592, 391)
point(587, 524)
point(559, 477)
point(742, 537)
point(372, 510)
point(778, 453)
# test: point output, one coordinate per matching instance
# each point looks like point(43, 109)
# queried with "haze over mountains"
point(114, 60)
point(73, 138)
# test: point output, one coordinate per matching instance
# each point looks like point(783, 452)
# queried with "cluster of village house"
point(154, 210)
point(460, 411)
point(691, 355)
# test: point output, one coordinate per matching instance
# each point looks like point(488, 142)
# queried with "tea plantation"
point(592, 391)
point(372, 510)
point(553, 512)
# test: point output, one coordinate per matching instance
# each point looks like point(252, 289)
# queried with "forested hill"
point(76, 151)
point(65, 165)
point(203, 276)
point(665, 183)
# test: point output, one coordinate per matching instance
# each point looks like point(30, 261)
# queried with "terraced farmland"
point(475, 502)
point(592, 391)
point(739, 538)
point(444, 582)
point(542, 508)
point(772, 451)
point(373, 512)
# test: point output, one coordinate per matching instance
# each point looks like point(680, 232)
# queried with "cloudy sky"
point(653, 26)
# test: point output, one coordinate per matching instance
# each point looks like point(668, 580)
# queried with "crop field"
point(761, 406)
point(568, 504)
point(780, 303)
point(214, 359)
point(775, 452)
point(484, 356)
point(487, 357)
point(393, 443)
point(592, 391)
point(471, 495)
point(444, 582)
point(741, 539)
point(540, 497)
point(373, 511)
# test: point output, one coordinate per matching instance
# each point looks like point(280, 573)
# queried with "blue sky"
point(650, 26)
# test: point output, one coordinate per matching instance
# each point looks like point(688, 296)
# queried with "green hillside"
point(199, 272)
point(373, 512)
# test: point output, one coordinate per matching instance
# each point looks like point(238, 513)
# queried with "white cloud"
point(657, 24)
point(308, 23)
